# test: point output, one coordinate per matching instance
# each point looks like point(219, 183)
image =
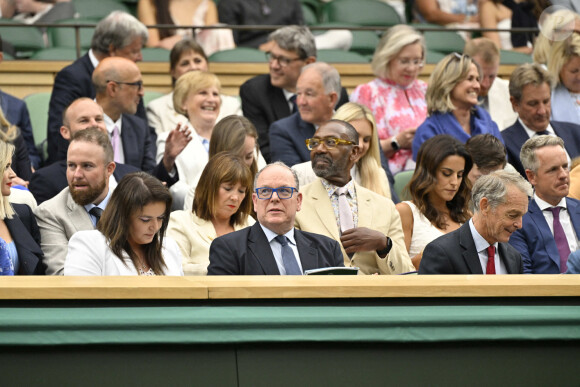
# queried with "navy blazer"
point(26, 236)
point(139, 147)
point(248, 252)
point(72, 82)
point(287, 138)
point(455, 253)
point(263, 104)
point(515, 136)
point(536, 242)
point(47, 182)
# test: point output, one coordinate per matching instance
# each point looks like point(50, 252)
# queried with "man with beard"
point(366, 224)
point(551, 228)
point(480, 245)
point(82, 113)
point(530, 95)
point(79, 206)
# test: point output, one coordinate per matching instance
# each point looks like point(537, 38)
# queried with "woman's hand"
point(405, 138)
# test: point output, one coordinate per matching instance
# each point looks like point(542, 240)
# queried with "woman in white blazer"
point(187, 55)
point(222, 204)
point(129, 239)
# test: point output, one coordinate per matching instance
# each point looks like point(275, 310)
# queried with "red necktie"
point(490, 269)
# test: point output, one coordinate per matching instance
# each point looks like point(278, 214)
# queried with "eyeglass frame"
point(420, 63)
point(292, 190)
point(337, 141)
point(139, 84)
point(282, 60)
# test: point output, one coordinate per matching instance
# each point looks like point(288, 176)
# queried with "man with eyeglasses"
point(366, 224)
point(272, 246)
point(270, 97)
point(119, 90)
point(118, 35)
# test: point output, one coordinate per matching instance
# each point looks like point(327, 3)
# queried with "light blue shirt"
point(481, 246)
point(277, 248)
point(13, 254)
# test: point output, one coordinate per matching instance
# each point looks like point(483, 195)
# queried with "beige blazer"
point(374, 211)
point(500, 107)
point(162, 116)
point(58, 219)
point(194, 236)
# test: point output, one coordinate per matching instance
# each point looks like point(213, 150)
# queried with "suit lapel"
point(574, 211)
point(28, 250)
point(279, 103)
point(538, 218)
point(507, 259)
point(204, 229)
point(308, 254)
point(262, 252)
point(468, 250)
point(365, 209)
point(323, 207)
point(78, 216)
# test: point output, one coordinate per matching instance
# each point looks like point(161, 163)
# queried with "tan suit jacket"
point(58, 219)
point(374, 211)
point(194, 236)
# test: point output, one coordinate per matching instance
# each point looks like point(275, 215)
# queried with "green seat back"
point(401, 181)
point(56, 53)
point(361, 12)
point(340, 56)
point(155, 54)
point(66, 36)
point(37, 105)
point(98, 9)
point(238, 54)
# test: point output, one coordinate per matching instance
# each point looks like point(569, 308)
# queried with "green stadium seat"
point(66, 37)
point(37, 105)
point(310, 17)
point(98, 9)
point(433, 57)
point(513, 57)
point(444, 41)
point(151, 95)
point(363, 42)
point(401, 180)
point(24, 39)
point(340, 56)
point(155, 54)
point(361, 12)
point(238, 54)
point(55, 53)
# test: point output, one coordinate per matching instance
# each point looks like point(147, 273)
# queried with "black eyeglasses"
point(139, 84)
point(329, 142)
point(266, 193)
point(281, 59)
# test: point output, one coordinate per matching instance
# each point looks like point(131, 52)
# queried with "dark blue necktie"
point(288, 257)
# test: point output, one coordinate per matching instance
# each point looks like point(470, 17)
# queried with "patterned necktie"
point(96, 212)
point(344, 211)
point(288, 257)
point(116, 143)
point(561, 240)
point(490, 269)
point(543, 133)
point(6, 264)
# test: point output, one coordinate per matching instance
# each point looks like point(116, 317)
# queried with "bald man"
point(119, 89)
point(81, 114)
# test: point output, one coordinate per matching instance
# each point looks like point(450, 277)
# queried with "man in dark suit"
point(273, 246)
point(26, 236)
point(119, 34)
point(551, 228)
point(119, 89)
point(317, 93)
point(480, 245)
point(270, 97)
point(530, 95)
point(82, 113)
point(16, 113)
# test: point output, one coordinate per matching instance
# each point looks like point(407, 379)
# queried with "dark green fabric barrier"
point(226, 324)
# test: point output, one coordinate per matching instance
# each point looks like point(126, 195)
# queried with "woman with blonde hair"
point(367, 171)
point(222, 204)
point(197, 97)
point(452, 103)
point(396, 96)
point(130, 235)
point(20, 160)
point(564, 66)
point(20, 252)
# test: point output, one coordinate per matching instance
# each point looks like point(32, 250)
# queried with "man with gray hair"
point(119, 34)
point(551, 228)
point(480, 246)
point(270, 97)
point(317, 92)
point(272, 246)
point(530, 95)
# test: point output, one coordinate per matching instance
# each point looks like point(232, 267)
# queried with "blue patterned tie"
point(6, 264)
point(288, 257)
